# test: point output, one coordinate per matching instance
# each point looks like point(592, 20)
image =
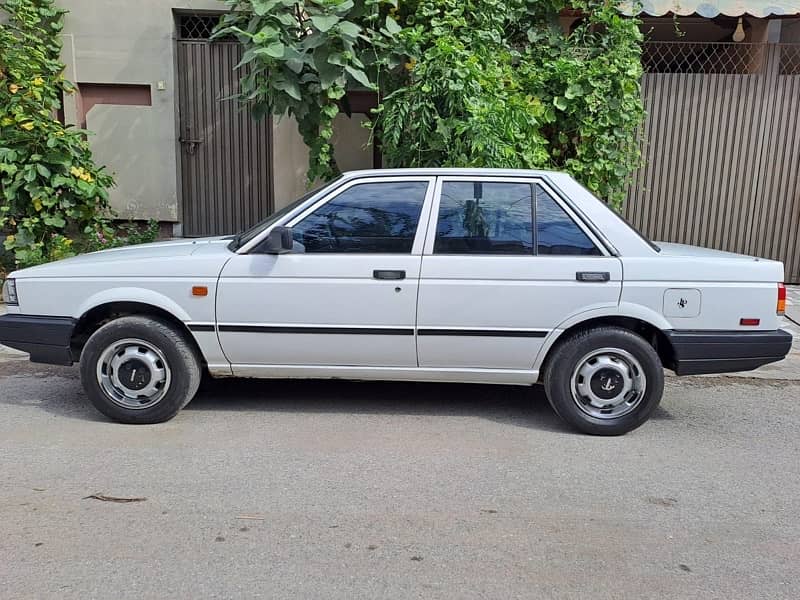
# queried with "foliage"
point(127, 234)
point(301, 55)
point(487, 83)
point(50, 187)
point(498, 83)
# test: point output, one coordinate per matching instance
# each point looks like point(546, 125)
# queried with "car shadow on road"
point(57, 390)
point(513, 405)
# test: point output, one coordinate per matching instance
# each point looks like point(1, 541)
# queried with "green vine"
point(50, 186)
point(301, 56)
point(484, 83)
point(499, 83)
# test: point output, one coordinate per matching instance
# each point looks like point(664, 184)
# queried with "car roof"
point(457, 171)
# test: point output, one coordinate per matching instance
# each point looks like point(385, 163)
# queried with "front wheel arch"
point(96, 317)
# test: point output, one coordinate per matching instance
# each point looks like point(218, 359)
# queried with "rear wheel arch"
point(94, 318)
point(645, 329)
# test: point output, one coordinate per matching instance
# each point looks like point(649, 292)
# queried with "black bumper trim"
point(702, 352)
point(46, 339)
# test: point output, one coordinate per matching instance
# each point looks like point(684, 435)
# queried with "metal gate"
point(722, 148)
point(226, 156)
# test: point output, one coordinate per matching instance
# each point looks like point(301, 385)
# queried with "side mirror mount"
point(278, 241)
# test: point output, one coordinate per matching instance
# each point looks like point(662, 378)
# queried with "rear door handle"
point(388, 274)
point(593, 276)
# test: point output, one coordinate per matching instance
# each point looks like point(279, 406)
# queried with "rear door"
point(501, 269)
point(345, 296)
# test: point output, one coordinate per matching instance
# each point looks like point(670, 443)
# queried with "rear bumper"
point(699, 352)
point(46, 339)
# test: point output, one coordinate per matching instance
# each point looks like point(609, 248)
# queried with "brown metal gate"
point(722, 148)
point(226, 156)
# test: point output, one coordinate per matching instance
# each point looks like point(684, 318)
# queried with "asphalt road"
point(354, 490)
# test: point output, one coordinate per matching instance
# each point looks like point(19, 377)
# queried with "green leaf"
point(60, 180)
point(324, 22)
point(337, 58)
point(295, 64)
point(54, 220)
point(289, 86)
point(359, 76)
point(262, 7)
point(43, 171)
point(560, 103)
point(392, 26)
point(275, 49)
point(573, 91)
point(349, 28)
point(286, 19)
point(344, 7)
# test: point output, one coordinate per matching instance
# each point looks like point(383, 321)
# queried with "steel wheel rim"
point(608, 383)
point(134, 374)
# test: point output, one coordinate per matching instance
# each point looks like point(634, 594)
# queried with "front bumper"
point(701, 352)
point(46, 339)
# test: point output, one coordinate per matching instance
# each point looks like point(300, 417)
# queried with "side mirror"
point(279, 241)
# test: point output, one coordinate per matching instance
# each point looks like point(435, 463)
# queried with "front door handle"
point(388, 274)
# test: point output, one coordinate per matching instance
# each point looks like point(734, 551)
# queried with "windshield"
point(247, 235)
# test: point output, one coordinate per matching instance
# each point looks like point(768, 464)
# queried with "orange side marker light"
point(199, 290)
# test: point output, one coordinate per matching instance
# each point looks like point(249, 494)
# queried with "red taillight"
point(781, 308)
point(750, 322)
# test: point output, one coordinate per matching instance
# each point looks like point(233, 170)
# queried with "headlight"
point(10, 292)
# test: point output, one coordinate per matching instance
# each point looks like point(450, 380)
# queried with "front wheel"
point(139, 369)
point(604, 381)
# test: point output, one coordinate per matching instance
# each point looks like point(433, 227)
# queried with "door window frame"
point(433, 223)
point(424, 215)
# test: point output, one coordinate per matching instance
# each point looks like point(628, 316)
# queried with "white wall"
point(119, 41)
point(133, 42)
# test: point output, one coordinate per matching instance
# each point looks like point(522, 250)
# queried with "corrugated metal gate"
point(226, 156)
point(722, 148)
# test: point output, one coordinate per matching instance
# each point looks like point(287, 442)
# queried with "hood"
point(159, 259)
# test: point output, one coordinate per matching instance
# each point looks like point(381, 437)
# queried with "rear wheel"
point(139, 369)
point(604, 381)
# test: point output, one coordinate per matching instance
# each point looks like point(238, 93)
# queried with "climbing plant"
point(50, 188)
point(485, 83)
point(300, 56)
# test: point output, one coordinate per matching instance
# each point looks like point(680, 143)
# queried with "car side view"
point(453, 275)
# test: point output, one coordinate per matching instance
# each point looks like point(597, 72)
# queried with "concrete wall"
point(119, 41)
point(126, 42)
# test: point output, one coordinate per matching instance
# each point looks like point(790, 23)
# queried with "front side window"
point(556, 232)
point(484, 218)
point(380, 217)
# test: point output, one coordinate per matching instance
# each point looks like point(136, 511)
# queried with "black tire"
point(577, 410)
point(180, 365)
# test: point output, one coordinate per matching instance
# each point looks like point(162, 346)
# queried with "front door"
point(500, 272)
point(347, 293)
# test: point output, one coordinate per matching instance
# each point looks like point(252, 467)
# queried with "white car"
point(459, 275)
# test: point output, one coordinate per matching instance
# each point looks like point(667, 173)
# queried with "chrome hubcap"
point(608, 383)
point(134, 374)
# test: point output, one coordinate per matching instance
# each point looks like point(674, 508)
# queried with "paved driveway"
point(347, 490)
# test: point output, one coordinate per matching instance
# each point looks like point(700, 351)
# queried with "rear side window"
point(485, 218)
point(556, 232)
point(479, 217)
point(379, 217)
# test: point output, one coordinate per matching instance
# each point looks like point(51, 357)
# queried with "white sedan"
point(459, 275)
